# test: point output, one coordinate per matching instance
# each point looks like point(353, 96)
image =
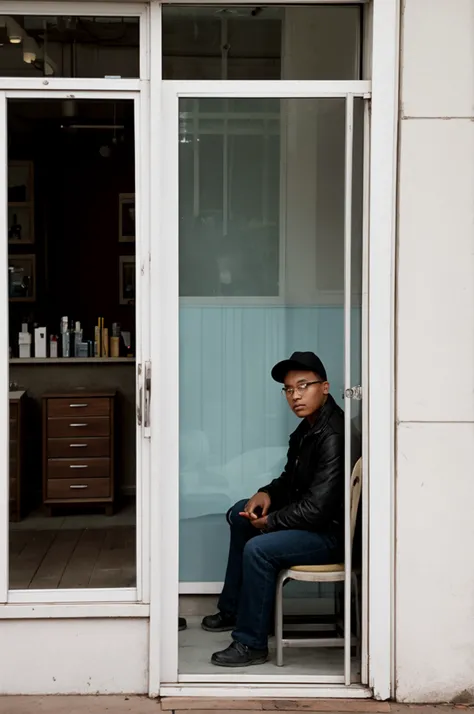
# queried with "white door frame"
point(169, 458)
point(380, 328)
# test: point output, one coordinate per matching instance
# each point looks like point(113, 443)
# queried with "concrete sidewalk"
point(142, 705)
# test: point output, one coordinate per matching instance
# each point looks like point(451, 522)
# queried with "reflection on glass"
point(261, 275)
point(265, 42)
point(72, 377)
point(66, 46)
point(229, 200)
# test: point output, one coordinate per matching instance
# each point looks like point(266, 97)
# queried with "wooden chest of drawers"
point(15, 454)
point(78, 449)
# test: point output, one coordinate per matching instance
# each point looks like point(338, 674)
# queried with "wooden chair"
point(333, 573)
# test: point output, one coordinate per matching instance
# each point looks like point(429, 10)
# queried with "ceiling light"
point(15, 39)
point(29, 50)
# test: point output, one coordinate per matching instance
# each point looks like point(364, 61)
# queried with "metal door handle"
point(146, 421)
point(78, 466)
point(82, 485)
point(139, 396)
point(77, 424)
point(77, 406)
point(77, 446)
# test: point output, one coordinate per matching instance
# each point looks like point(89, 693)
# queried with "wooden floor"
point(73, 558)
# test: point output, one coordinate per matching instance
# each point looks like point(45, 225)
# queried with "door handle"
point(139, 395)
point(147, 413)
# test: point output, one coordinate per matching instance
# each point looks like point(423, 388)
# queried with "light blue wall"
point(234, 422)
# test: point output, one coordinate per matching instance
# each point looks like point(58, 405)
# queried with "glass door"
point(74, 239)
point(261, 254)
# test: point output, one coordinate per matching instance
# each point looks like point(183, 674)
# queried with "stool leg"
point(279, 619)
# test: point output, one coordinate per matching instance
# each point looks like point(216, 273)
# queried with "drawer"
point(77, 489)
point(78, 407)
point(13, 411)
point(78, 426)
point(78, 448)
point(78, 468)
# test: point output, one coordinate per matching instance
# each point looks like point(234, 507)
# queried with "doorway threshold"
point(301, 666)
point(263, 691)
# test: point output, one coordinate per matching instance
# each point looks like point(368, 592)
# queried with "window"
point(230, 198)
point(66, 46)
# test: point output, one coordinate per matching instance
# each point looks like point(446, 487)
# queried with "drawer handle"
point(77, 446)
point(77, 424)
point(78, 406)
point(82, 485)
point(79, 466)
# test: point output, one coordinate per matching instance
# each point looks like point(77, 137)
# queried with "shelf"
point(72, 360)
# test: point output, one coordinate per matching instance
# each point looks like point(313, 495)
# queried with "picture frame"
point(127, 279)
point(21, 228)
point(127, 221)
point(22, 278)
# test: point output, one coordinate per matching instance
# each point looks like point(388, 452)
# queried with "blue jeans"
point(255, 559)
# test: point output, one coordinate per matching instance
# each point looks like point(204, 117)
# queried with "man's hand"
point(259, 523)
point(260, 501)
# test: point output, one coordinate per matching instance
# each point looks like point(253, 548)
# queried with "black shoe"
point(239, 655)
point(218, 623)
point(182, 624)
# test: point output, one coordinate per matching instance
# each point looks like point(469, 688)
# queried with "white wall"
point(435, 354)
point(108, 656)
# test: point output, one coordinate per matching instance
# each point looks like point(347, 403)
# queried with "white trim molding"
point(73, 610)
point(165, 454)
point(254, 691)
point(74, 595)
point(279, 89)
point(382, 219)
point(114, 597)
point(4, 365)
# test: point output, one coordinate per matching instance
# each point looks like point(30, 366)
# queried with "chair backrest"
point(356, 487)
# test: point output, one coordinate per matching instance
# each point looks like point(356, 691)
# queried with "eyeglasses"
point(301, 388)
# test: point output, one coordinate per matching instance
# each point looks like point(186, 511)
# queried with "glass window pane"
point(65, 46)
point(230, 198)
point(265, 42)
point(285, 207)
point(72, 478)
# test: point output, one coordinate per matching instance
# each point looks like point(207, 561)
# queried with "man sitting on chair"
point(298, 517)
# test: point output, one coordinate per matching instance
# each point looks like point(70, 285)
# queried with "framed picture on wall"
point(126, 217)
point(22, 278)
point(127, 279)
point(21, 213)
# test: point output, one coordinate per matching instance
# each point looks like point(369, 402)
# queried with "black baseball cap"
point(299, 360)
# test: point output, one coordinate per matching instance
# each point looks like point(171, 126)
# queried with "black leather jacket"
point(309, 494)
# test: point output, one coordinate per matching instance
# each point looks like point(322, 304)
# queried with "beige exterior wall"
point(435, 354)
